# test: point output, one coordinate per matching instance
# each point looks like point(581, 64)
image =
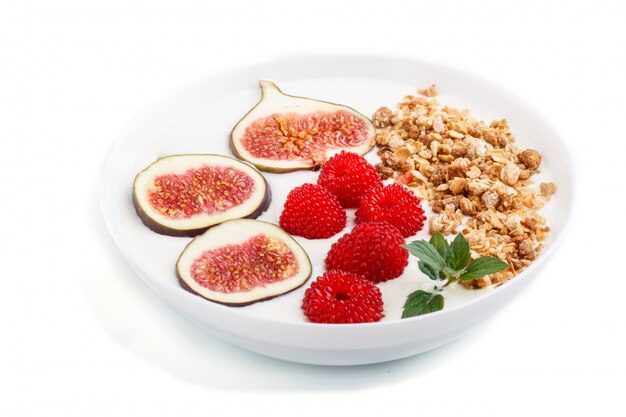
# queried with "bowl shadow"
point(134, 317)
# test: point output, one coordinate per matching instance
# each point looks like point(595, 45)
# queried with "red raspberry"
point(341, 297)
point(393, 204)
point(349, 176)
point(372, 250)
point(312, 212)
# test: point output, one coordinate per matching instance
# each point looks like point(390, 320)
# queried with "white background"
point(81, 335)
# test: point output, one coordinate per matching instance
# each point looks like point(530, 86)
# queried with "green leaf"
point(430, 271)
point(422, 302)
point(440, 243)
point(484, 266)
point(458, 253)
point(426, 253)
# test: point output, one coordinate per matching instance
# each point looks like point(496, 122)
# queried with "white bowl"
point(354, 78)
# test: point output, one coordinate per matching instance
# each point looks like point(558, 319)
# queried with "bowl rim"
point(134, 123)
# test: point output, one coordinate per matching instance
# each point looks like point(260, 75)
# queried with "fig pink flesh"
point(209, 190)
point(295, 136)
point(259, 261)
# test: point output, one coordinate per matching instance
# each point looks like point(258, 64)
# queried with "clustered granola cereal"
point(473, 176)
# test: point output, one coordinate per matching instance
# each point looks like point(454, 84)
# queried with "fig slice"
point(184, 195)
point(241, 262)
point(285, 133)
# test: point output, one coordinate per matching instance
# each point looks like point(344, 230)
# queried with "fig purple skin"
point(284, 133)
point(214, 198)
point(235, 263)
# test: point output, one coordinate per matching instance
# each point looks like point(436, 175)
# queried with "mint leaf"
point(422, 302)
point(430, 271)
point(426, 253)
point(483, 266)
point(459, 253)
point(440, 243)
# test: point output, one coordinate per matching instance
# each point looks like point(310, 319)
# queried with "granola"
point(468, 170)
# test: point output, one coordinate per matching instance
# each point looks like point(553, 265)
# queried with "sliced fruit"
point(285, 133)
point(241, 262)
point(183, 195)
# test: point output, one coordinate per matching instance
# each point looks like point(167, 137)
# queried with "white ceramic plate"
point(199, 120)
